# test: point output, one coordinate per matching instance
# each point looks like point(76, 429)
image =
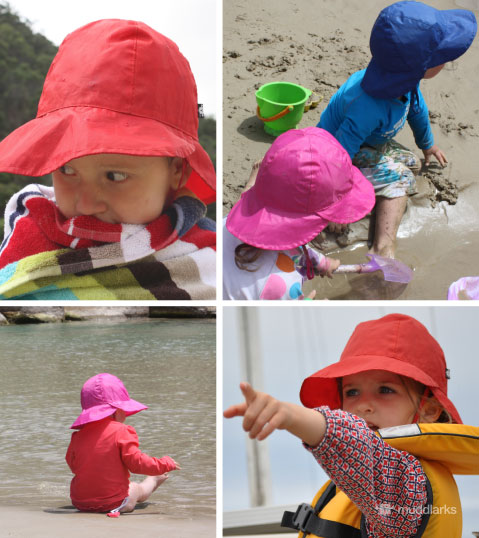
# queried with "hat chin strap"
point(421, 404)
point(309, 263)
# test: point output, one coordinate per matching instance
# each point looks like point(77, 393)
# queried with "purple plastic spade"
point(393, 270)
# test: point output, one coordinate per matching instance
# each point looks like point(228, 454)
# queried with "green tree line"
point(25, 57)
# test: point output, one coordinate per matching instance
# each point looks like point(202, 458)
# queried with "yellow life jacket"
point(442, 449)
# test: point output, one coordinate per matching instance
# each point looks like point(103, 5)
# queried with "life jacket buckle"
point(301, 516)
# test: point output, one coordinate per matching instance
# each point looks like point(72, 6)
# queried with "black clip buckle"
point(301, 516)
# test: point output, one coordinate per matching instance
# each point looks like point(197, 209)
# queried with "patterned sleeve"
point(387, 485)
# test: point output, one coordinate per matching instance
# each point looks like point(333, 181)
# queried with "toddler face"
point(380, 398)
point(117, 188)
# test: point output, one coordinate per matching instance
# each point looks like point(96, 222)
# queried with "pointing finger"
point(237, 410)
point(248, 392)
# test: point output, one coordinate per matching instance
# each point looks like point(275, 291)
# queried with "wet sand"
point(319, 47)
point(20, 522)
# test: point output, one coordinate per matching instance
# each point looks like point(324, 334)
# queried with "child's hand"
point(337, 227)
point(309, 297)
point(311, 264)
point(434, 150)
point(333, 265)
point(172, 465)
point(262, 413)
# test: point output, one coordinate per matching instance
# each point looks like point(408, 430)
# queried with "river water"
point(168, 365)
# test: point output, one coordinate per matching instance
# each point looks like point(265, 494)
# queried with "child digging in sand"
point(386, 479)
point(104, 451)
point(410, 41)
point(117, 124)
point(304, 181)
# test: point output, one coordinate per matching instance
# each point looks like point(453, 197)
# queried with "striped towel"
point(46, 256)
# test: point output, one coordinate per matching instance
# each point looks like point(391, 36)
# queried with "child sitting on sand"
point(386, 479)
point(104, 451)
point(409, 41)
point(117, 125)
point(304, 181)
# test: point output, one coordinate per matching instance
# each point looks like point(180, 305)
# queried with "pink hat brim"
point(321, 388)
point(263, 227)
point(44, 144)
point(99, 412)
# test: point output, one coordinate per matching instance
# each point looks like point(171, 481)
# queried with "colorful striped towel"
point(45, 256)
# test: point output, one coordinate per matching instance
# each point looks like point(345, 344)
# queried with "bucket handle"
point(277, 116)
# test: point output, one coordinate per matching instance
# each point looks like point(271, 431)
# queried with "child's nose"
point(89, 200)
point(365, 405)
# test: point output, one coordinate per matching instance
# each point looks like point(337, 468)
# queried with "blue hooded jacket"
point(407, 39)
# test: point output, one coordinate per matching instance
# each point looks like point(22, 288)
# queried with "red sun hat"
point(395, 343)
point(115, 86)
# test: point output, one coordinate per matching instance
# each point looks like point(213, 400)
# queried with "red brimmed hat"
point(115, 86)
point(395, 343)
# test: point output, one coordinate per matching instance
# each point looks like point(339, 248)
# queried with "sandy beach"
point(318, 46)
point(20, 522)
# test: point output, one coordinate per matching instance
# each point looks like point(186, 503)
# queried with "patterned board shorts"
point(390, 168)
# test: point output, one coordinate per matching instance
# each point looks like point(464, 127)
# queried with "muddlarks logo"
point(386, 509)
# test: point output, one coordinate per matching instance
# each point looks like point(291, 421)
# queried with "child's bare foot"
point(253, 175)
point(337, 227)
point(388, 251)
point(140, 492)
point(160, 479)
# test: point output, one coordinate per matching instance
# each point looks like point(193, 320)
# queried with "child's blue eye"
point(116, 176)
point(386, 390)
point(67, 170)
point(351, 392)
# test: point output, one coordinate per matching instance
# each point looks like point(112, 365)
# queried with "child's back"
point(355, 118)
point(95, 456)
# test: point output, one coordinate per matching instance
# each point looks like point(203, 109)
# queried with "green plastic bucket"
point(281, 106)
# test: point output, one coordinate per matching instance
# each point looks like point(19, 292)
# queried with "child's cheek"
point(64, 196)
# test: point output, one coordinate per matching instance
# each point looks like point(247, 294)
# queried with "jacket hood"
point(410, 37)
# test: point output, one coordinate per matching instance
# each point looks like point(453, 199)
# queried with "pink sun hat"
point(101, 396)
point(305, 181)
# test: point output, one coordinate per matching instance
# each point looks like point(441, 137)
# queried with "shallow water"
point(168, 365)
point(440, 244)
